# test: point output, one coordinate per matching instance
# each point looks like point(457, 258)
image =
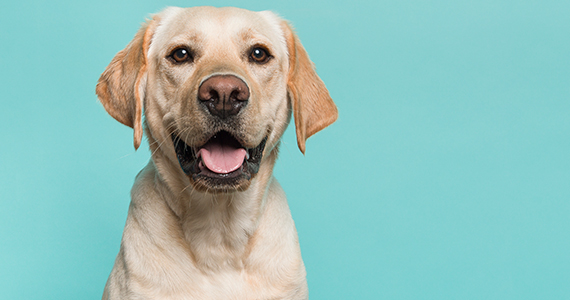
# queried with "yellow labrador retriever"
point(207, 218)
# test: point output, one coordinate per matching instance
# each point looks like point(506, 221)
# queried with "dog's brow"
point(189, 37)
point(252, 37)
point(251, 34)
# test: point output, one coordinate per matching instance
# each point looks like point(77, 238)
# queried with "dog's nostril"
point(236, 95)
point(223, 95)
point(213, 96)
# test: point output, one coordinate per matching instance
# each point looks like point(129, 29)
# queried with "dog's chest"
point(221, 285)
point(158, 260)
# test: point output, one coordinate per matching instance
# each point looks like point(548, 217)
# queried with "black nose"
point(223, 95)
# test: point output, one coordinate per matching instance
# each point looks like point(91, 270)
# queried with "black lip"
point(189, 163)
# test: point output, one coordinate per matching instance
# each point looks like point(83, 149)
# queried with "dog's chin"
point(222, 165)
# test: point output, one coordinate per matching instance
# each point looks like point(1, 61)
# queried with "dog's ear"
point(121, 86)
point(313, 108)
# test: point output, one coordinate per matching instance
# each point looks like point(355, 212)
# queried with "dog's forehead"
point(218, 25)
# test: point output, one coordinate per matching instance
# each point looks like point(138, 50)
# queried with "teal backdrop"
point(447, 175)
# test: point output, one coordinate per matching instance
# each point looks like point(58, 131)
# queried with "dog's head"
point(218, 86)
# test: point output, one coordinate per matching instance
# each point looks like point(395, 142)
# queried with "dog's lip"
point(191, 160)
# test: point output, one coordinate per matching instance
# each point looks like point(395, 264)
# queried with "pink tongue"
point(220, 158)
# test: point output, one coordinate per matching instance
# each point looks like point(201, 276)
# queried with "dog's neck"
point(221, 225)
point(218, 228)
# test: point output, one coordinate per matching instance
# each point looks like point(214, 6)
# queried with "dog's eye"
point(180, 55)
point(259, 55)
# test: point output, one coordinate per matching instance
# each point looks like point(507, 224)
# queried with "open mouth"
point(221, 163)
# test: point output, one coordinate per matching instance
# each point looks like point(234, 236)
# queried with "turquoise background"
point(447, 175)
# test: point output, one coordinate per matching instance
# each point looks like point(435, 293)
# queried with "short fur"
point(183, 240)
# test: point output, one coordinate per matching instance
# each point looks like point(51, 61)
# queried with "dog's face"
point(218, 85)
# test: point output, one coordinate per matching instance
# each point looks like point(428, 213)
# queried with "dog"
point(207, 219)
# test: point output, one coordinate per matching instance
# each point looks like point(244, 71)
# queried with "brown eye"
point(259, 55)
point(180, 55)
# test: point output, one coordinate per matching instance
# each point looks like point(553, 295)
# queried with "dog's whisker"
point(167, 129)
point(182, 191)
point(231, 199)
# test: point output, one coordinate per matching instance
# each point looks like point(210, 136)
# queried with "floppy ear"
point(313, 108)
point(121, 87)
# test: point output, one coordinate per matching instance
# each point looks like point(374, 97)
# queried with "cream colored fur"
point(181, 240)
